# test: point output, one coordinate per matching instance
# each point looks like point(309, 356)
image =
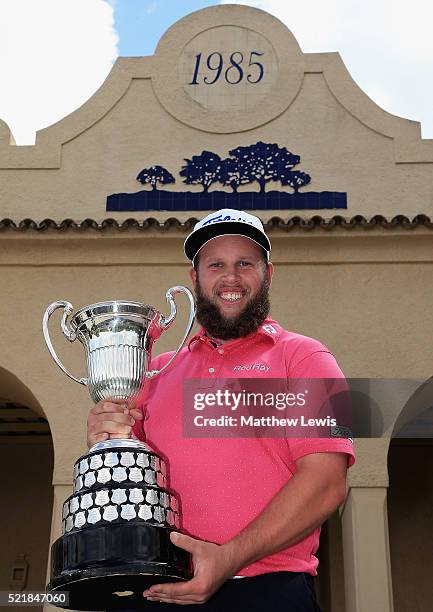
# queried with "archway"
point(410, 502)
point(26, 456)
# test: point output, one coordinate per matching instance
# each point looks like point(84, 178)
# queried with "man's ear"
point(193, 275)
point(269, 271)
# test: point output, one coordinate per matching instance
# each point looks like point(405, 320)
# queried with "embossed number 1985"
point(234, 72)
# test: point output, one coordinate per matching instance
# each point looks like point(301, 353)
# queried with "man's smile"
point(231, 296)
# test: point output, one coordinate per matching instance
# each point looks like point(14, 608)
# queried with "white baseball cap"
point(223, 222)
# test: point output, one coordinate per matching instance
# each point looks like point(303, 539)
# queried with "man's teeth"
point(231, 297)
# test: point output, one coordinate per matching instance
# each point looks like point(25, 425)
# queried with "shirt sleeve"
point(321, 364)
point(299, 447)
point(318, 364)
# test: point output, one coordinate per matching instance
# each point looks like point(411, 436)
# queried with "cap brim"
point(198, 239)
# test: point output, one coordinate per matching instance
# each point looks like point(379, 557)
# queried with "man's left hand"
point(213, 565)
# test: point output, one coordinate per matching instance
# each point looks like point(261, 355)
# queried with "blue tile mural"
point(261, 164)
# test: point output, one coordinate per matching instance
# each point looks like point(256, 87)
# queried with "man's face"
point(231, 285)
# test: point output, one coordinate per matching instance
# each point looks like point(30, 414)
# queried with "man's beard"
point(246, 322)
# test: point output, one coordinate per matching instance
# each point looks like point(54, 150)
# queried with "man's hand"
point(213, 565)
point(112, 418)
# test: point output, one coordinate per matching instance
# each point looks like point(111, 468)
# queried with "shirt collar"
point(269, 329)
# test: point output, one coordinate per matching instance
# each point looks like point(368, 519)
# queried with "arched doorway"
point(410, 502)
point(26, 457)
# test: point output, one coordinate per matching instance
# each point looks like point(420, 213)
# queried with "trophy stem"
point(121, 443)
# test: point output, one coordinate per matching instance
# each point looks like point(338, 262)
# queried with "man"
point(252, 506)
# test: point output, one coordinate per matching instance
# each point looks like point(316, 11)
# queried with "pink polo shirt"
point(225, 483)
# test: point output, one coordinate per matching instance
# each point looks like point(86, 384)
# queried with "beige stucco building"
point(359, 278)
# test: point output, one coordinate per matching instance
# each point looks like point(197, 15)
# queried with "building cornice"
point(294, 223)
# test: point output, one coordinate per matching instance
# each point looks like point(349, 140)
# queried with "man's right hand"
point(111, 418)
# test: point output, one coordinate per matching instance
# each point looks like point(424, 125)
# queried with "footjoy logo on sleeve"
point(258, 367)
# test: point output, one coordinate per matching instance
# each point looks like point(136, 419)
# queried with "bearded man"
point(252, 507)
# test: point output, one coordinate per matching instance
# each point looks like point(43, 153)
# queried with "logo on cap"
point(220, 218)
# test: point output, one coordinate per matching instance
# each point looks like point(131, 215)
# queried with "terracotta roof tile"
point(293, 223)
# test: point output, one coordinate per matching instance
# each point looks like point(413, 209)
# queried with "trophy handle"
point(165, 323)
point(69, 333)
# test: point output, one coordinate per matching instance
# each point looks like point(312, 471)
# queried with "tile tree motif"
point(260, 164)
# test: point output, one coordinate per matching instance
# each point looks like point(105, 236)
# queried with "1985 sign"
point(228, 68)
point(234, 70)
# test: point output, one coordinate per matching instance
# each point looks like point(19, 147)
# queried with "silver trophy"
point(117, 523)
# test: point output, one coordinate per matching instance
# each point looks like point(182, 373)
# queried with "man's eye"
point(215, 264)
point(244, 264)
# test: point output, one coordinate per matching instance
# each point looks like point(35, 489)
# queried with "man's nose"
point(231, 273)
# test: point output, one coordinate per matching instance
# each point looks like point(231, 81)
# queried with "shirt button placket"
point(212, 369)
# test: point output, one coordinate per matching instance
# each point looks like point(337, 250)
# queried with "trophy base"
point(109, 567)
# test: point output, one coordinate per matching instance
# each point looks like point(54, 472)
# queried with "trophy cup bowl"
point(117, 523)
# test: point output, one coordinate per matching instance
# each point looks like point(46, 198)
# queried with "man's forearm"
point(303, 504)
